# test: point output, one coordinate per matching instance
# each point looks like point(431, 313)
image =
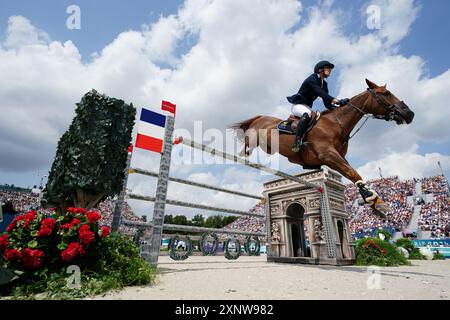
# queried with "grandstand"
point(418, 208)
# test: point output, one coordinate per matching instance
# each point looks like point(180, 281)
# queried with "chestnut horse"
point(327, 141)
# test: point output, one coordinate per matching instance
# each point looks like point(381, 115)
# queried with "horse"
point(327, 141)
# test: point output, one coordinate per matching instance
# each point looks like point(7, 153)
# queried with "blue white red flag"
point(151, 128)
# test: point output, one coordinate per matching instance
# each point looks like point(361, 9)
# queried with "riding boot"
point(301, 128)
point(365, 193)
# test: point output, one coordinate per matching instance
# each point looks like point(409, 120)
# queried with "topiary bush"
point(374, 251)
point(414, 253)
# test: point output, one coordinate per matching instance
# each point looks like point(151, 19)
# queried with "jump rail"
point(193, 205)
point(175, 227)
point(195, 184)
point(237, 159)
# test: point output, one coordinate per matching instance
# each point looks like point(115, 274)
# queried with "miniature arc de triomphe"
point(296, 229)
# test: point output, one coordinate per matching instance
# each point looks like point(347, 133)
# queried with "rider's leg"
point(367, 194)
point(303, 112)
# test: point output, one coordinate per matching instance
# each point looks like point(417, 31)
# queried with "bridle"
point(390, 108)
point(389, 116)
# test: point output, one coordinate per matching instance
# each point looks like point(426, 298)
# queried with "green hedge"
point(438, 256)
point(414, 253)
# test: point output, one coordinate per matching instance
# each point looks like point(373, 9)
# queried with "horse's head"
point(385, 105)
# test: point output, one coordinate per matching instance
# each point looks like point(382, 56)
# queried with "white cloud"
point(406, 165)
point(22, 33)
point(397, 16)
point(249, 55)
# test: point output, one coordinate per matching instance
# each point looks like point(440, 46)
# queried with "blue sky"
point(103, 21)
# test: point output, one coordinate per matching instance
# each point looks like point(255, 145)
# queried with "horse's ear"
point(371, 84)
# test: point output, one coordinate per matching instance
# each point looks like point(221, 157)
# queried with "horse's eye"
point(387, 93)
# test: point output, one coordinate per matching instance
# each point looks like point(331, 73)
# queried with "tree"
point(198, 220)
point(181, 220)
point(214, 222)
point(91, 155)
point(168, 219)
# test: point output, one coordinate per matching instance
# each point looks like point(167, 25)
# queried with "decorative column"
point(151, 250)
point(326, 222)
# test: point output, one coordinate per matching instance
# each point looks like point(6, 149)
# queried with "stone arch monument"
point(297, 232)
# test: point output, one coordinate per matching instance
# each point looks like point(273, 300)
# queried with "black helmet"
point(323, 64)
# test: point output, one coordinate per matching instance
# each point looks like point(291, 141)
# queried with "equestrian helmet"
point(323, 64)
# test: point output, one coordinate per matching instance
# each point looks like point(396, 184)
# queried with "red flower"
point(47, 226)
point(3, 242)
point(87, 237)
point(31, 215)
point(13, 223)
point(32, 258)
point(93, 216)
point(74, 249)
point(84, 228)
point(70, 225)
point(12, 254)
point(104, 231)
point(384, 251)
point(72, 210)
point(82, 210)
point(66, 226)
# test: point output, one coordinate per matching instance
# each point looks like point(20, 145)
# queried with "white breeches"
point(299, 110)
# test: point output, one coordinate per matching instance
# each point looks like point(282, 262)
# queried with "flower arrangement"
point(33, 240)
point(374, 251)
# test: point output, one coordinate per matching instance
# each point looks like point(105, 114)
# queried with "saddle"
point(289, 126)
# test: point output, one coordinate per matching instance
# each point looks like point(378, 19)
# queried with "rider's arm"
point(327, 99)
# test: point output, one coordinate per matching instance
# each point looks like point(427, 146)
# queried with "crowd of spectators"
point(106, 208)
point(22, 202)
point(250, 223)
point(394, 192)
point(434, 216)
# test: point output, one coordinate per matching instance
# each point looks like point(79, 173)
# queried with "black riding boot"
point(301, 128)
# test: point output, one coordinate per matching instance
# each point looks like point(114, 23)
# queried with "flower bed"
point(41, 248)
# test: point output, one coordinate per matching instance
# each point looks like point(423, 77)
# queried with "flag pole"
point(152, 250)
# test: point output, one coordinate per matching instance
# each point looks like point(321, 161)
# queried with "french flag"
point(151, 128)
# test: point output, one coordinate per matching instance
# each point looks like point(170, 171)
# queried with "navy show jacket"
point(310, 89)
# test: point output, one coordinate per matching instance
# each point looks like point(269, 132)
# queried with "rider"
point(314, 86)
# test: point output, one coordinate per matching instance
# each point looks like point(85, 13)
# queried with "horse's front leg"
point(336, 162)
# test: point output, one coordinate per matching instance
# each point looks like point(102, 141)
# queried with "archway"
point(295, 213)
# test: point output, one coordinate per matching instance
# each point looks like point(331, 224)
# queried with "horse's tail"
point(240, 127)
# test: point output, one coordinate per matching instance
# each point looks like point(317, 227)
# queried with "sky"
point(222, 62)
